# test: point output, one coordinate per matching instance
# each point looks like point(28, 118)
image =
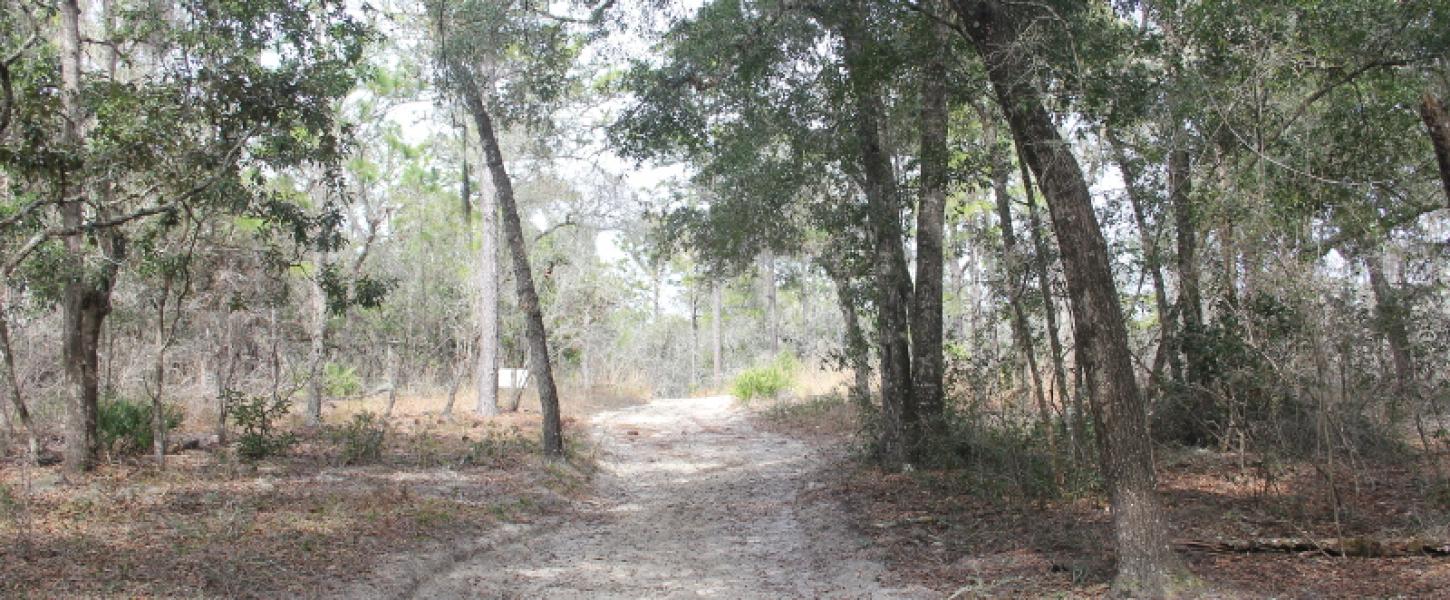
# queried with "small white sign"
point(512, 378)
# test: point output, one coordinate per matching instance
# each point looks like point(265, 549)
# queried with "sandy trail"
point(696, 503)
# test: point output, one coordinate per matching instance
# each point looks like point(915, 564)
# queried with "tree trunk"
point(1152, 262)
point(715, 302)
point(926, 314)
point(1432, 111)
point(553, 440)
point(900, 433)
point(1077, 428)
point(392, 379)
point(486, 402)
point(86, 298)
point(1147, 566)
point(317, 353)
point(772, 314)
point(158, 376)
point(1200, 429)
point(12, 380)
point(856, 349)
point(85, 310)
point(1012, 267)
point(694, 339)
point(1391, 316)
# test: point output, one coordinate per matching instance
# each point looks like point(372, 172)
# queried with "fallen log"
point(1358, 547)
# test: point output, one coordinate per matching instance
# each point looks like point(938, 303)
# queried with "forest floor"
point(306, 524)
point(965, 536)
point(691, 500)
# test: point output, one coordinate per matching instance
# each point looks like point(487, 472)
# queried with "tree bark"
point(856, 349)
point(715, 302)
point(488, 287)
point(486, 379)
point(1078, 428)
point(899, 442)
point(1432, 112)
point(86, 297)
point(393, 364)
point(1147, 566)
point(553, 440)
point(158, 375)
point(926, 314)
point(1391, 315)
point(317, 351)
point(772, 313)
point(1200, 430)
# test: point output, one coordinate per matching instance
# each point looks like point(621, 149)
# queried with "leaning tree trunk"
point(1432, 111)
point(926, 314)
point(1077, 428)
point(523, 274)
point(900, 431)
point(1012, 263)
point(1152, 263)
point(1147, 566)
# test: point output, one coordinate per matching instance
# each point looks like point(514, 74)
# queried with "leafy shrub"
point(361, 440)
point(258, 417)
point(340, 381)
point(766, 381)
point(124, 426)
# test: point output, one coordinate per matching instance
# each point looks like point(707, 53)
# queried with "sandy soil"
point(693, 502)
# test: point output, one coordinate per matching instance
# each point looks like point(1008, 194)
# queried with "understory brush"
point(361, 440)
point(766, 381)
point(124, 426)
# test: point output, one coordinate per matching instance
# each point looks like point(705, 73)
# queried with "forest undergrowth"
point(980, 530)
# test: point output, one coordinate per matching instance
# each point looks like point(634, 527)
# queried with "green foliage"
point(766, 381)
point(340, 381)
point(124, 426)
point(259, 417)
point(362, 439)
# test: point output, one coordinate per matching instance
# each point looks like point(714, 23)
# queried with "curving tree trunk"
point(1437, 122)
point(542, 371)
point(1147, 566)
point(900, 428)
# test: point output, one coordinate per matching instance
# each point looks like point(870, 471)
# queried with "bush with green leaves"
point(767, 381)
point(361, 440)
point(341, 381)
point(124, 426)
point(259, 417)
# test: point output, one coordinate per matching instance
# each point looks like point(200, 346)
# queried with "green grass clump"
point(766, 381)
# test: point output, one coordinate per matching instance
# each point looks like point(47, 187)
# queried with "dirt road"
point(695, 503)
